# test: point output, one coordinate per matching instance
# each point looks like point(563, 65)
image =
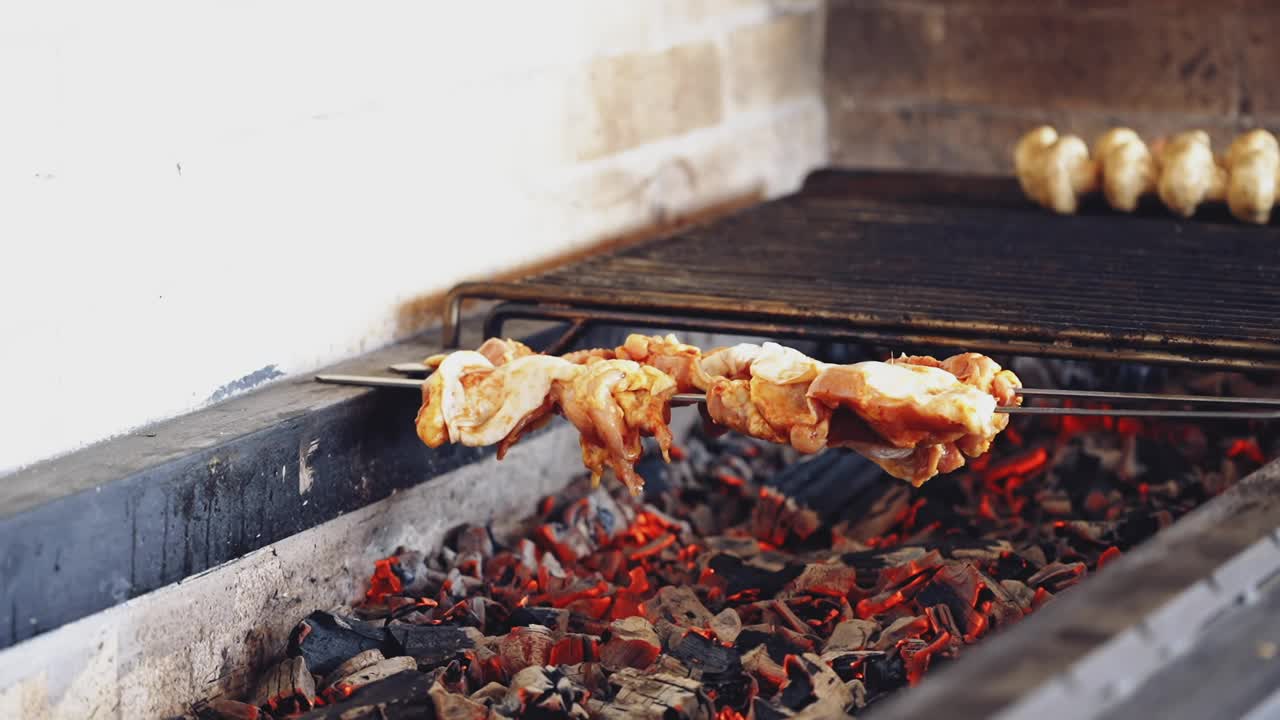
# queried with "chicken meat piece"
point(467, 400)
point(907, 405)
point(773, 404)
point(615, 403)
point(986, 375)
point(584, 357)
point(915, 417)
point(732, 362)
point(498, 351)
point(682, 362)
point(928, 414)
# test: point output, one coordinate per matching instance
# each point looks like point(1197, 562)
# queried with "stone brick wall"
point(207, 196)
point(951, 84)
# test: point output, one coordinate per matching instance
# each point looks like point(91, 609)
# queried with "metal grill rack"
point(926, 261)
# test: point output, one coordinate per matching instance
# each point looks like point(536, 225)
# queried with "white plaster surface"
point(195, 194)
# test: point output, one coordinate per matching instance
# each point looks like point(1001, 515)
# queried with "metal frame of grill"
point(926, 261)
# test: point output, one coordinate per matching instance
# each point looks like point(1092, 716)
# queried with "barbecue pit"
point(302, 490)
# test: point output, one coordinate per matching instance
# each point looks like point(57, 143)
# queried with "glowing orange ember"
point(385, 582)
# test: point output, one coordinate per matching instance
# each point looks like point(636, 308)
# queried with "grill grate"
point(941, 261)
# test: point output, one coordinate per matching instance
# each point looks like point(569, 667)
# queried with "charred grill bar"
point(1183, 537)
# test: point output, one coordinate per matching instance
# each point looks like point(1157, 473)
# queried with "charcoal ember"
point(788, 617)
point(876, 513)
point(352, 665)
point(1003, 608)
point(599, 516)
point(484, 666)
point(575, 648)
point(865, 561)
point(850, 635)
point(956, 585)
point(1057, 576)
point(287, 688)
point(1019, 594)
point(749, 580)
point(779, 642)
point(223, 709)
point(777, 518)
point(433, 645)
point(943, 623)
point(525, 646)
point(399, 697)
point(762, 709)
point(979, 549)
point(546, 692)
point(325, 640)
point(828, 578)
point(381, 670)
point(901, 629)
point(630, 642)
point(814, 690)
point(858, 692)
point(710, 659)
point(490, 695)
point(765, 669)
point(569, 543)
point(557, 619)
point(454, 706)
point(883, 673)
point(727, 625)
point(593, 677)
point(679, 606)
point(654, 696)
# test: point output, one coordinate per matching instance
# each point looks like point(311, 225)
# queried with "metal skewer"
point(1100, 396)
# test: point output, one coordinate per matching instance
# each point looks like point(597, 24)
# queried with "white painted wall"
point(193, 192)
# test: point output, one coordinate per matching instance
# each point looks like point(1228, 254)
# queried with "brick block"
point(977, 140)
point(883, 52)
point(1038, 58)
point(642, 97)
point(1110, 63)
point(775, 61)
point(1261, 58)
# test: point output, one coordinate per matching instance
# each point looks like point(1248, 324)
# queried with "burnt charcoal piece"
point(432, 645)
point(719, 668)
point(454, 706)
point(656, 695)
point(230, 710)
point(555, 618)
point(777, 645)
point(713, 660)
point(814, 688)
point(740, 577)
point(287, 688)
point(679, 606)
point(399, 697)
point(349, 684)
point(524, 647)
point(798, 692)
point(762, 710)
point(326, 640)
point(883, 674)
point(353, 665)
point(727, 625)
point(632, 642)
point(545, 692)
